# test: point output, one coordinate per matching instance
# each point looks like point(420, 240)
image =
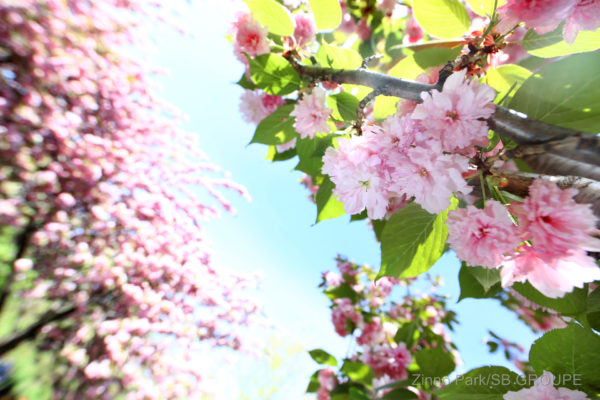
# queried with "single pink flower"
point(250, 36)
point(255, 105)
point(481, 237)
point(454, 114)
point(305, 28)
point(385, 360)
point(413, 30)
point(543, 389)
point(312, 114)
point(541, 15)
point(359, 174)
point(553, 276)
point(372, 333)
point(344, 312)
point(584, 17)
point(554, 221)
point(430, 176)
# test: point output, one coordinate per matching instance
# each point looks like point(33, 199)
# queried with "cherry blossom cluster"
point(545, 16)
point(547, 246)
point(97, 173)
point(371, 316)
point(422, 154)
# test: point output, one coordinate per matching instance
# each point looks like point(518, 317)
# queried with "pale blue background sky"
point(274, 233)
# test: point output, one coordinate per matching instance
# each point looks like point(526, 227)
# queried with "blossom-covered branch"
point(580, 160)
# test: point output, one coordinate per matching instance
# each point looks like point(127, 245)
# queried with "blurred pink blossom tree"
point(99, 194)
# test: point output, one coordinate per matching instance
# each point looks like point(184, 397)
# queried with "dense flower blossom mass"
point(102, 186)
point(312, 114)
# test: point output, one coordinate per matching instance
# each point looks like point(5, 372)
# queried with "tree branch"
point(32, 331)
point(22, 242)
point(518, 183)
point(581, 160)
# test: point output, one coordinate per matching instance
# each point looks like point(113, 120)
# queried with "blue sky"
point(274, 233)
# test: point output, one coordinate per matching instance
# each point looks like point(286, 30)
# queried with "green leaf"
point(344, 106)
point(323, 357)
point(274, 74)
point(406, 334)
point(565, 92)
point(328, 13)
point(310, 152)
point(487, 277)
point(338, 57)
point(357, 393)
point(593, 301)
point(328, 206)
point(571, 304)
point(343, 290)
point(384, 106)
point(274, 155)
point(435, 362)
point(506, 78)
point(358, 372)
point(378, 226)
point(552, 44)
point(414, 65)
point(478, 282)
point(412, 241)
point(277, 127)
point(246, 83)
point(445, 19)
point(484, 7)
point(273, 15)
point(400, 394)
point(485, 383)
point(314, 384)
point(435, 57)
point(569, 351)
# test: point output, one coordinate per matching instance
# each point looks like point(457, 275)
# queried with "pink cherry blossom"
point(584, 17)
point(343, 312)
point(543, 389)
point(305, 28)
point(553, 276)
point(255, 105)
point(413, 30)
point(453, 115)
point(99, 172)
point(386, 360)
point(482, 236)
point(327, 379)
point(541, 15)
point(387, 6)
point(359, 172)
point(250, 36)
point(552, 219)
point(333, 278)
point(312, 114)
point(372, 333)
point(430, 176)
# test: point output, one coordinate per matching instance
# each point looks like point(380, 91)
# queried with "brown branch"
point(22, 242)
point(32, 331)
point(518, 183)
